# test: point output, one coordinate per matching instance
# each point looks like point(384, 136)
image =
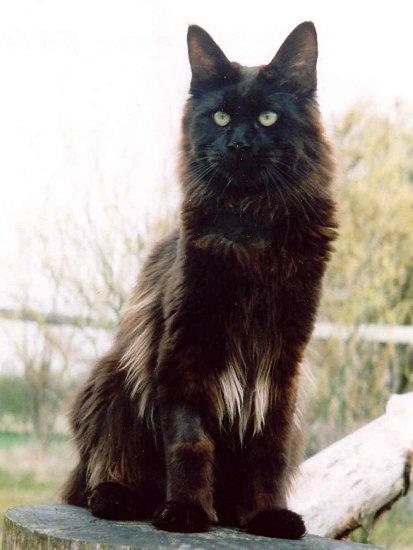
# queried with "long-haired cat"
point(192, 417)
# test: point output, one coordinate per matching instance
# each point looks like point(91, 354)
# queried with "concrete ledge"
point(62, 527)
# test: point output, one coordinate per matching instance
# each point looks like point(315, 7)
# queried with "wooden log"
point(63, 527)
point(359, 476)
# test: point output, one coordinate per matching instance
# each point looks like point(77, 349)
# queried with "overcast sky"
point(91, 90)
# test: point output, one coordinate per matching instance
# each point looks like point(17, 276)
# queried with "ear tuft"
point(296, 60)
point(208, 62)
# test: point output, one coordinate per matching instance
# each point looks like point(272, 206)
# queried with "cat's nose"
point(239, 145)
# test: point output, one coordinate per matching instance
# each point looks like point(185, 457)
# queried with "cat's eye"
point(221, 118)
point(268, 118)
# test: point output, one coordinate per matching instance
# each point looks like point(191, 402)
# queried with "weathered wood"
point(338, 489)
point(360, 475)
point(62, 527)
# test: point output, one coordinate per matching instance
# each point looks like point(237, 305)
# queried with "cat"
point(192, 418)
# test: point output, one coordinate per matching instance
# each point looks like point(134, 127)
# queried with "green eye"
point(221, 118)
point(268, 118)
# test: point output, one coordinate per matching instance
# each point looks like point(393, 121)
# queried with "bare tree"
point(79, 266)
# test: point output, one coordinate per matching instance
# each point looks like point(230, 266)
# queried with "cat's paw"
point(278, 523)
point(111, 500)
point(181, 517)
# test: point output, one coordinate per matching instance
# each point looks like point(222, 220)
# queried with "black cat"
point(193, 418)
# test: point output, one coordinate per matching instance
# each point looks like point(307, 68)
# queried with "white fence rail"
point(397, 334)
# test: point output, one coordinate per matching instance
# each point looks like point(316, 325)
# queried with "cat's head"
point(244, 125)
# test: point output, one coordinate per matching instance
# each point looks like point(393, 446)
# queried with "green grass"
point(8, 438)
point(28, 476)
point(24, 489)
point(394, 529)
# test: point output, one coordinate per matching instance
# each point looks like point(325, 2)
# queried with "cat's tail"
point(74, 489)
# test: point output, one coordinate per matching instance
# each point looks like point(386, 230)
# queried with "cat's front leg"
point(189, 455)
point(189, 356)
point(269, 462)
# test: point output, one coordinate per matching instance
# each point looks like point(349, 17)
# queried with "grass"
point(9, 438)
point(28, 474)
point(393, 530)
point(24, 489)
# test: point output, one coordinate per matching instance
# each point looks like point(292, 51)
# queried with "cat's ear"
point(296, 60)
point(208, 62)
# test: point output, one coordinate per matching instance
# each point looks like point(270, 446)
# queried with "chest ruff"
point(231, 228)
point(248, 383)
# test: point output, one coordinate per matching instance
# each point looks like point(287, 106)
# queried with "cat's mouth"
point(243, 163)
point(244, 170)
